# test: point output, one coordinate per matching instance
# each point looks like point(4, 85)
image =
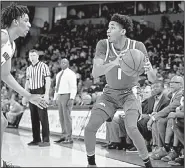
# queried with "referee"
point(38, 82)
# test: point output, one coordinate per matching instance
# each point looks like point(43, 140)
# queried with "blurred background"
point(72, 29)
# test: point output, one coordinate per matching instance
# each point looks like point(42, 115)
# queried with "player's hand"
point(147, 66)
point(38, 101)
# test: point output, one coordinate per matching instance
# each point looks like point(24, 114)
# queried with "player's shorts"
point(112, 99)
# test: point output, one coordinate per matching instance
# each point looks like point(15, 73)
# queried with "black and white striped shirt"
point(36, 75)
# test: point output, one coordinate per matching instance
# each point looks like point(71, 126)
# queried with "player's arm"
point(27, 88)
point(46, 73)
point(99, 66)
point(12, 83)
point(148, 67)
point(6, 75)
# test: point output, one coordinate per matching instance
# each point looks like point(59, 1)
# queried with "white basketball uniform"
point(7, 51)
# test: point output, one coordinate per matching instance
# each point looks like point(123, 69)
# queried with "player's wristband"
point(149, 68)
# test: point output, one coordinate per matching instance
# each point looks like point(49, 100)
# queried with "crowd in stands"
point(126, 8)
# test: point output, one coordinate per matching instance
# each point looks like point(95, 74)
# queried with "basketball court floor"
point(16, 151)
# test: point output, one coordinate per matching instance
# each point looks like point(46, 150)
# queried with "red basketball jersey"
point(116, 78)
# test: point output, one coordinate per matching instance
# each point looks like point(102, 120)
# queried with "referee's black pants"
point(39, 115)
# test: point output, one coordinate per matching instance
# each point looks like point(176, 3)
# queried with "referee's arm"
point(48, 84)
point(47, 75)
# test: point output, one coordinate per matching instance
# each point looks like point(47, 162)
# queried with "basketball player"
point(118, 91)
point(15, 21)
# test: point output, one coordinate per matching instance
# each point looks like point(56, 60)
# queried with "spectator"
point(160, 118)
point(175, 151)
point(65, 92)
point(146, 92)
point(153, 104)
point(178, 128)
point(78, 100)
point(86, 98)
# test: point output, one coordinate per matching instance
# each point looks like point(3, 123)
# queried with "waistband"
point(38, 91)
point(126, 90)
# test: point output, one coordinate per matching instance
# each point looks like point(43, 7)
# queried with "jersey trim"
point(134, 44)
point(128, 44)
point(107, 52)
point(7, 50)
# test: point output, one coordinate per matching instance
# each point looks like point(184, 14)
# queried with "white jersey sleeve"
point(7, 51)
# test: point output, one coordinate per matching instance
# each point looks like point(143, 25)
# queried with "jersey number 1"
point(119, 73)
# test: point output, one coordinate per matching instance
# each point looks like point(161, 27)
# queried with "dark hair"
point(12, 12)
point(124, 20)
point(159, 81)
point(34, 50)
